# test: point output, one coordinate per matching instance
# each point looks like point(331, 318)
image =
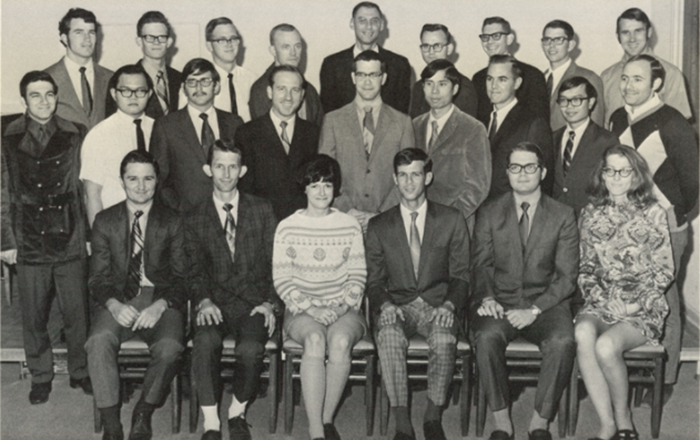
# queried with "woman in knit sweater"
point(318, 267)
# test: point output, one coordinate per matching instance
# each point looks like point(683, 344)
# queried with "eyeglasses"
point(496, 36)
point(128, 93)
point(437, 47)
point(160, 39)
point(204, 82)
point(576, 102)
point(557, 41)
point(363, 75)
point(530, 168)
point(624, 172)
point(222, 41)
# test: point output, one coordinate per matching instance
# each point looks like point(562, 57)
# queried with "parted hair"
point(641, 190)
point(35, 76)
point(321, 168)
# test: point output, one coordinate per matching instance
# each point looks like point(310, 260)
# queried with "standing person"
point(622, 280)
point(44, 230)
point(319, 272)
point(82, 83)
point(416, 291)
point(337, 87)
point(137, 276)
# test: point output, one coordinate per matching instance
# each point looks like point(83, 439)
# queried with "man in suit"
point(181, 140)
point(580, 144)
point(557, 44)
point(277, 143)
point(82, 83)
point(437, 43)
point(511, 122)
point(363, 137)
point(456, 143)
point(337, 88)
point(418, 279)
point(523, 291)
point(137, 276)
point(229, 239)
point(44, 230)
point(496, 36)
point(287, 48)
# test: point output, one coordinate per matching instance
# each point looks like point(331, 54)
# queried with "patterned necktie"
point(208, 137)
point(567, 152)
point(414, 243)
point(550, 84)
point(140, 139)
point(133, 283)
point(433, 136)
point(232, 94)
point(494, 126)
point(230, 229)
point(368, 125)
point(285, 137)
point(524, 225)
point(162, 91)
point(85, 90)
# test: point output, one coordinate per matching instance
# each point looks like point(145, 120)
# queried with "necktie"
point(524, 225)
point(494, 126)
point(140, 140)
point(230, 229)
point(433, 136)
point(133, 283)
point(368, 126)
point(208, 137)
point(414, 244)
point(550, 84)
point(85, 90)
point(43, 135)
point(285, 138)
point(162, 92)
point(567, 152)
point(232, 94)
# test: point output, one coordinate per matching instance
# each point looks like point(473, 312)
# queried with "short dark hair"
point(35, 76)
point(436, 27)
point(497, 20)
point(560, 24)
point(503, 59)
point(136, 156)
point(284, 27)
point(129, 69)
point(634, 14)
point(209, 29)
point(366, 5)
point(322, 168)
point(657, 70)
point(83, 14)
point(369, 55)
point(529, 147)
point(224, 146)
point(285, 68)
point(152, 17)
point(198, 66)
point(410, 155)
point(576, 81)
point(436, 66)
point(641, 191)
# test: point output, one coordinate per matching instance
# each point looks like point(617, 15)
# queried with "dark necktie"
point(368, 124)
point(230, 229)
point(285, 138)
point(567, 152)
point(133, 283)
point(524, 225)
point(550, 84)
point(162, 91)
point(494, 126)
point(140, 139)
point(85, 89)
point(414, 244)
point(43, 135)
point(208, 137)
point(433, 136)
point(232, 94)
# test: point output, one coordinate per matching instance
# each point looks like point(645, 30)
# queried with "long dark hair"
point(641, 190)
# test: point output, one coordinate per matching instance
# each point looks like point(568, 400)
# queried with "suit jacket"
point(239, 285)
point(164, 258)
point(260, 104)
point(176, 147)
point(557, 120)
point(367, 185)
point(532, 92)
point(571, 189)
point(461, 162)
point(69, 106)
point(272, 173)
point(443, 272)
point(465, 99)
point(337, 88)
point(153, 108)
point(520, 125)
point(543, 273)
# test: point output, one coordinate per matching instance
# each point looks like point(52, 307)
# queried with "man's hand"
point(442, 316)
point(389, 314)
point(150, 316)
point(322, 315)
point(490, 307)
point(209, 313)
point(124, 314)
point(520, 318)
point(266, 310)
point(362, 217)
point(9, 256)
point(88, 247)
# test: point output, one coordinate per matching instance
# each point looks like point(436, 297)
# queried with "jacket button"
point(58, 162)
point(60, 208)
point(41, 208)
point(58, 184)
point(38, 185)
point(366, 195)
point(368, 171)
point(43, 232)
point(566, 190)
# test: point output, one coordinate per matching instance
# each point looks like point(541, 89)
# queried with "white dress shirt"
point(75, 77)
point(420, 220)
point(198, 122)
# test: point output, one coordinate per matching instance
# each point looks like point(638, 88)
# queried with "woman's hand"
point(322, 315)
point(616, 307)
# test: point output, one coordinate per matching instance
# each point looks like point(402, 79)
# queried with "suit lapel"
point(420, 132)
point(273, 139)
point(217, 231)
point(384, 122)
point(506, 125)
point(512, 229)
point(427, 238)
point(586, 139)
point(539, 224)
point(123, 234)
point(189, 134)
point(398, 230)
point(447, 130)
point(63, 82)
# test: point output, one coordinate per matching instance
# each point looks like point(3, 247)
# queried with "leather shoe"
point(113, 435)
point(625, 434)
point(211, 435)
point(433, 430)
point(329, 432)
point(403, 436)
point(39, 393)
point(539, 434)
point(83, 383)
point(238, 429)
point(501, 435)
point(141, 426)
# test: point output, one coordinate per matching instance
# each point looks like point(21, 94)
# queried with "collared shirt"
point(143, 222)
point(557, 74)
point(420, 220)
point(577, 138)
point(34, 128)
point(357, 50)
point(104, 148)
point(376, 107)
point(198, 122)
point(441, 123)
point(291, 122)
point(638, 112)
point(75, 77)
point(222, 212)
point(502, 114)
point(152, 71)
point(243, 80)
point(533, 199)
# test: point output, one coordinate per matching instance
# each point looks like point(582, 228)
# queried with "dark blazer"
point(465, 99)
point(176, 147)
point(572, 189)
point(260, 104)
point(443, 273)
point(337, 88)
point(246, 283)
point(543, 274)
point(163, 254)
point(557, 120)
point(68, 106)
point(272, 173)
point(520, 125)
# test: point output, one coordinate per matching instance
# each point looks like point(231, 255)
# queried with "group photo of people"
point(466, 194)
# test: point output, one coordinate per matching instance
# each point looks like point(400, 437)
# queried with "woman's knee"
point(606, 350)
point(315, 344)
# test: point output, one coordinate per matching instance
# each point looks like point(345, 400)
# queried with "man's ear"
point(656, 85)
point(207, 169)
point(518, 83)
point(510, 39)
point(450, 49)
point(217, 88)
point(384, 78)
point(428, 178)
point(544, 173)
point(244, 169)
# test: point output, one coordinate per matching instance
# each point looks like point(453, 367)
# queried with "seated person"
point(622, 280)
point(319, 272)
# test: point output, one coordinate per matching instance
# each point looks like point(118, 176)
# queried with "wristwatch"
point(536, 310)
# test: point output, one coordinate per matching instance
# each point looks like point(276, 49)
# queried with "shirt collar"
point(220, 204)
point(276, 121)
point(636, 112)
point(503, 112)
point(128, 119)
point(559, 70)
point(132, 208)
point(357, 50)
point(194, 113)
point(533, 199)
point(224, 73)
point(579, 131)
point(153, 70)
point(422, 209)
point(75, 67)
point(376, 107)
point(442, 119)
point(33, 127)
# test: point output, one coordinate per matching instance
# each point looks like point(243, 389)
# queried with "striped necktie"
point(230, 229)
point(133, 283)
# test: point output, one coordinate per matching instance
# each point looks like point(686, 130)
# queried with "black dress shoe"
point(403, 436)
point(113, 435)
point(329, 432)
point(238, 429)
point(501, 435)
point(625, 434)
point(433, 430)
point(539, 434)
point(39, 393)
point(83, 383)
point(211, 435)
point(141, 426)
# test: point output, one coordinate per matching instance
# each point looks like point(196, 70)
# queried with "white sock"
point(211, 418)
point(237, 408)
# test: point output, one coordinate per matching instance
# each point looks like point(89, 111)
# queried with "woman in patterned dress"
point(319, 271)
point(626, 266)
